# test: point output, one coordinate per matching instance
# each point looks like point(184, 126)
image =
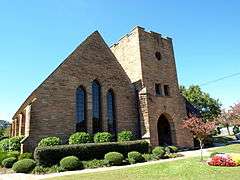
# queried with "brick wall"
point(53, 112)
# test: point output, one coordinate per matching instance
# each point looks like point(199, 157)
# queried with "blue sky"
point(36, 36)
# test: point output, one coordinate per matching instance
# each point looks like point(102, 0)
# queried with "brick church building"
point(131, 85)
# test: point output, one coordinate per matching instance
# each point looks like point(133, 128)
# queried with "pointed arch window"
point(111, 113)
point(96, 107)
point(81, 124)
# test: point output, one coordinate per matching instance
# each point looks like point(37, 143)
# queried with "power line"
point(220, 79)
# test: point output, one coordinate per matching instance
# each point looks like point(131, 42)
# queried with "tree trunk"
point(201, 148)
point(228, 129)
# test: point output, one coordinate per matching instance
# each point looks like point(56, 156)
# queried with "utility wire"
point(220, 79)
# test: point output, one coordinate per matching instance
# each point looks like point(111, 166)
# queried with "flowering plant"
point(222, 160)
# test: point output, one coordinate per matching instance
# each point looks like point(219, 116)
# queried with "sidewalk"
point(20, 176)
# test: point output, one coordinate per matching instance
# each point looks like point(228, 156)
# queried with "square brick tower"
point(148, 60)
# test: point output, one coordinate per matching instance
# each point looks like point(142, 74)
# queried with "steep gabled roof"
point(94, 36)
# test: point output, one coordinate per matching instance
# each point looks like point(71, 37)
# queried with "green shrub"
point(148, 157)
point(158, 152)
point(125, 136)
point(135, 157)
point(55, 169)
point(14, 143)
point(214, 153)
point(8, 162)
point(15, 154)
point(25, 156)
point(40, 170)
point(173, 149)
point(46, 170)
point(52, 155)
point(236, 129)
point(114, 158)
point(167, 150)
point(171, 155)
point(49, 141)
point(95, 163)
point(11, 144)
point(3, 155)
point(4, 144)
point(80, 138)
point(24, 166)
point(102, 137)
point(71, 163)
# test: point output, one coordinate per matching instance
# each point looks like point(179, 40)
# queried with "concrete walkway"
point(21, 176)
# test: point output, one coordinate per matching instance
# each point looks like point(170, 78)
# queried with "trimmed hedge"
point(125, 136)
point(24, 166)
point(159, 152)
point(49, 141)
point(80, 138)
point(102, 137)
point(52, 155)
point(114, 158)
point(71, 163)
point(135, 157)
point(8, 163)
point(3, 155)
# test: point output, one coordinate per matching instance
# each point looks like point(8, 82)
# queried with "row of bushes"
point(11, 144)
point(52, 155)
point(23, 164)
point(7, 159)
point(83, 138)
point(15, 154)
point(110, 159)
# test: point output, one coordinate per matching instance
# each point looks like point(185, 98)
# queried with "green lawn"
point(233, 148)
point(189, 168)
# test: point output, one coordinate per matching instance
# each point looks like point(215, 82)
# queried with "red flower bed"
point(222, 160)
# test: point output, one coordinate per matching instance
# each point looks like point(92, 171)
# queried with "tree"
point(199, 129)
point(4, 124)
point(224, 119)
point(3, 127)
point(208, 106)
point(235, 114)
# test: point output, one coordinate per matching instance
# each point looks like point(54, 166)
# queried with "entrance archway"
point(164, 131)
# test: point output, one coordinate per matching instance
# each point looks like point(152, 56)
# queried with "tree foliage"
point(208, 106)
point(235, 114)
point(230, 117)
point(199, 129)
point(4, 129)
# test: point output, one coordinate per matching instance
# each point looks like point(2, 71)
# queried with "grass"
point(188, 169)
point(180, 169)
point(233, 148)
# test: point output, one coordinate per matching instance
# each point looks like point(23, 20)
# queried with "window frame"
point(158, 89)
point(166, 90)
point(82, 127)
point(96, 121)
point(113, 127)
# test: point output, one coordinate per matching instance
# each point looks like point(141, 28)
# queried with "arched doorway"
point(164, 131)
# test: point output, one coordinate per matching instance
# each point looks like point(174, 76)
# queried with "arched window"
point(96, 107)
point(111, 113)
point(81, 124)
